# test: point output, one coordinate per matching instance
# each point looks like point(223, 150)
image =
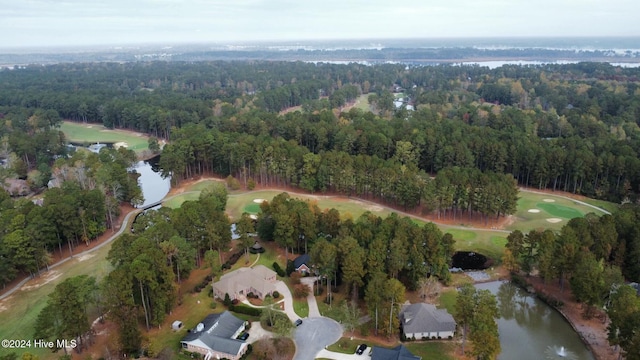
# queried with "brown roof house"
point(215, 337)
point(422, 321)
point(258, 280)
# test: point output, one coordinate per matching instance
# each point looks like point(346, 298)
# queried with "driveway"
point(257, 332)
point(314, 335)
point(339, 356)
point(311, 300)
point(287, 299)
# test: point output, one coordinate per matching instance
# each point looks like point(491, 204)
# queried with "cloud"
point(81, 22)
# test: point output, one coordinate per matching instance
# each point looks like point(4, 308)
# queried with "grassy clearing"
point(19, 311)
point(91, 133)
point(362, 103)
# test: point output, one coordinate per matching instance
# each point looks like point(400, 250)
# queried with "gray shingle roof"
point(300, 260)
point(397, 353)
point(421, 317)
point(217, 333)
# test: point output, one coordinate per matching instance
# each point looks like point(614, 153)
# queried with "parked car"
point(298, 322)
point(244, 336)
point(361, 349)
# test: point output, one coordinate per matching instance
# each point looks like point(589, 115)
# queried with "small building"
point(256, 248)
point(215, 337)
point(177, 325)
point(258, 280)
point(301, 264)
point(397, 353)
point(425, 321)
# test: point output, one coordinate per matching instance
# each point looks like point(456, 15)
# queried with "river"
point(530, 329)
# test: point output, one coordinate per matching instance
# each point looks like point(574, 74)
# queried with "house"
point(397, 353)
point(215, 337)
point(301, 264)
point(426, 321)
point(258, 280)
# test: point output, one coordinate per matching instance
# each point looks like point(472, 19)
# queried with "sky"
point(38, 23)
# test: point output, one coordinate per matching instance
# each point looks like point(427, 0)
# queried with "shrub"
point(246, 355)
point(301, 291)
point(247, 310)
point(235, 302)
point(227, 300)
point(214, 304)
point(278, 269)
point(276, 294)
point(290, 267)
point(233, 183)
point(251, 184)
point(295, 278)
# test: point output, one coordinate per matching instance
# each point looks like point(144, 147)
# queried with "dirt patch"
point(554, 220)
point(86, 257)
point(534, 211)
point(44, 279)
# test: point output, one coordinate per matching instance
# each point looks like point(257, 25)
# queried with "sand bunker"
point(44, 279)
point(259, 201)
point(535, 211)
point(86, 257)
point(120, 144)
point(554, 220)
point(548, 200)
point(375, 208)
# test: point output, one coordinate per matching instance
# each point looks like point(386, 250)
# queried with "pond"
point(154, 187)
point(530, 329)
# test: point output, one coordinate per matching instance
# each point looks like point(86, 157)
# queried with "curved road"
point(124, 226)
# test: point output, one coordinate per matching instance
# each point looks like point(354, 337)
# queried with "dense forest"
point(476, 134)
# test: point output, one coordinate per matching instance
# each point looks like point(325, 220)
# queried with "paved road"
point(257, 332)
point(314, 335)
point(123, 227)
point(311, 300)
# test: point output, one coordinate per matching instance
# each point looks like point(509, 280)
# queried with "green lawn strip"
point(252, 208)
point(23, 307)
point(560, 211)
point(448, 300)
point(345, 345)
point(90, 133)
point(432, 350)
point(301, 307)
point(176, 202)
point(609, 206)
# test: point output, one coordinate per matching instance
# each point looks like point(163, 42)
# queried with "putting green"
point(560, 211)
point(252, 208)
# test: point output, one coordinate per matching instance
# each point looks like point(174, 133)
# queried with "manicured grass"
point(301, 307)
point(432, 350)
point(19, 311)
point(448, 300)
point(176, 201)
point(90, 133)
point(252, 208)
point(559, 210)
point(345, 345)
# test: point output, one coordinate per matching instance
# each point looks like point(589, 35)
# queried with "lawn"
point(91, 133)
point(535, 210)
point(362, 103)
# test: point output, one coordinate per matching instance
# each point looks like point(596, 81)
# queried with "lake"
point(532, 330)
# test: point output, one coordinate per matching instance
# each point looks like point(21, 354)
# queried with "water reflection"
point(154, 187)
point(529, 328)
